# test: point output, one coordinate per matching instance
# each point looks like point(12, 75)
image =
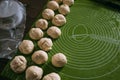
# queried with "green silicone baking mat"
point(90, 40)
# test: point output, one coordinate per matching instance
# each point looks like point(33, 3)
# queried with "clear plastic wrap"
point(12, 25)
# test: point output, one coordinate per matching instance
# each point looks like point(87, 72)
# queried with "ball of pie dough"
point(52, 76)
point(59, 20)
point(53, 5)
point(48, 14)
point(45, 44)
point(26, 47)
point(40, 57)
point(18, 64)
point(64, 9)
point(42, 24)
point(54, 32)
point(59, 60)
point(58, 1)
point(36, 33)
point(68, 2)
point(34, 73)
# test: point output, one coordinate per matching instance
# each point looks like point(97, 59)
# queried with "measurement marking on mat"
point(79, 35)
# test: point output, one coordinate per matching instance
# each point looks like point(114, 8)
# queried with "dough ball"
point(59, 20)
point(42, 24)
point(59, 60)
point(54, 32)
point(53, 5)
point(48, 14)
point(58, 1)
point(18, 64)
point(45, 44)
point(26, 47)
point(64, 9)
point(52, 76)
point(40, 57)
point(34, 73)
point(68, 2)
point(36, 33)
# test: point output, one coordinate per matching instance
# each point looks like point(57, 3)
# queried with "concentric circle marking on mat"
point(90, 40)
point(79, 32)
point(68, 30)
point(85, 78)
point(109, 57)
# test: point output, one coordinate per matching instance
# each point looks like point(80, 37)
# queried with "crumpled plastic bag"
point(12, 25)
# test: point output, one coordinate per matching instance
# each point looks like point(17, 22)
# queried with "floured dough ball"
point(68, 2)
point(64, 9)
point(26, 47)
point(59, 20)
point(48, 14)
point(53, 5)
point(40, 57)
point(52, 76)
point(45, 44)
point(59, 60)
point(58, 1)
point(54, 32)
point(18, 64)
point(34, 73)
point(42, 24)
point(36, 33)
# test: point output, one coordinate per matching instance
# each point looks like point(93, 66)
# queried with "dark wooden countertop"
point(33, 9)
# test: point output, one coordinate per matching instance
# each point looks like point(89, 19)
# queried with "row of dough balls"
point(19, 64)
point(51, 7)
point(36, 73)
point(54, 4)
point(57, 20)
point(42, 24)
point(27, 46)
point(36, 33)
point(48, 14)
